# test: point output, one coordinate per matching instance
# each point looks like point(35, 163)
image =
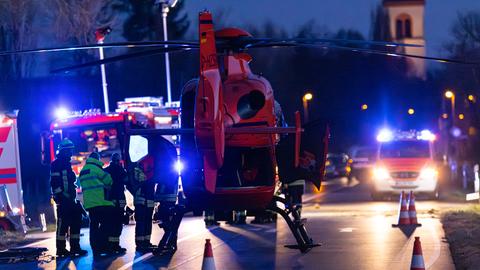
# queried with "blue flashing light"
point(179, 166)
point(426, 135)
point(62, 113)
point(385, 135)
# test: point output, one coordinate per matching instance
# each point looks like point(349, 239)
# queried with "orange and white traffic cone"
point(208, 262)
point(412, 211)
point(403, 218)
point(417, 257)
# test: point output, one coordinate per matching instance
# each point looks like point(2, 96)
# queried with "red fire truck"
point(92, 130)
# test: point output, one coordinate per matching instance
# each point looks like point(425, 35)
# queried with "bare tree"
point(17, 32)
point(466, 34)
point(75, 22)
point(380, 24)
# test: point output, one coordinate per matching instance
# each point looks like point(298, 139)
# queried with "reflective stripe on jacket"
point(62, 180)
point(95, 183)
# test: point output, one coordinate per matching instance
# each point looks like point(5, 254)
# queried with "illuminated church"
point(407, 26)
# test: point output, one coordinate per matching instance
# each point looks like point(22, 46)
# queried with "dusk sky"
point(334, 14)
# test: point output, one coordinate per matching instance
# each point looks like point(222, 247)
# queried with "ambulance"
point(405, 162)
point(12, 211)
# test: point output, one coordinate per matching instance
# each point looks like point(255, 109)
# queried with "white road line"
point(436, 249)
point(149, 255)
point(36, 243)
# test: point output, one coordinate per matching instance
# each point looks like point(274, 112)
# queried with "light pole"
point(100, 35)
point(450, 95)
point(306, 98)
point(166, 5)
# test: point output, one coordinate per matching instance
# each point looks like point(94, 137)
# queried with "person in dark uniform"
point(166, 176)
point(117, 196)
point(144, 190)
point(69, 210)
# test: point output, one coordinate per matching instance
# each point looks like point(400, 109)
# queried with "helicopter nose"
point(249, 105)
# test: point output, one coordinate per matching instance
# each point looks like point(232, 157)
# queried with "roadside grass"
point(10, 239)
point(462, 231)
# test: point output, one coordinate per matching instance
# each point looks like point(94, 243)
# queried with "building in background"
point(407, 26)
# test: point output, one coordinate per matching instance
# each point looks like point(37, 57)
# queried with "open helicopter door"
point(304, 158)
point(209, 111)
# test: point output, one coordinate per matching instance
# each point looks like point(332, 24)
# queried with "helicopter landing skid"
point(296, 225)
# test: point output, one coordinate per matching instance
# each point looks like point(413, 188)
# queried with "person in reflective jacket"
point(117, 196)
point(69, 216)
point(96, 185)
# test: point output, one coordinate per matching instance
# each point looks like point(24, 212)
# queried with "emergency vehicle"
point(92, 130)
point(12, 215)
point(405, 162)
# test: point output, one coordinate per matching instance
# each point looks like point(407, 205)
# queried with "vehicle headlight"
point(381, 173)
point(428, 173)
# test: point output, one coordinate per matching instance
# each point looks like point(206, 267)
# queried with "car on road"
point(363, 159)
point(337, 165)
point(405, 163)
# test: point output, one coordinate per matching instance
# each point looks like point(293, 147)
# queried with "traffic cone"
point(208, 262)
point(403, 218)
point(412, 211)
point(417, 257)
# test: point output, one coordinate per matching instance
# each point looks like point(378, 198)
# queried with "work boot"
point(63, 252)
point(145, 247)
point(119, 249)
point(78, 252)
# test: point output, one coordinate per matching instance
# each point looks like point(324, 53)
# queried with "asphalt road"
point(355, 233)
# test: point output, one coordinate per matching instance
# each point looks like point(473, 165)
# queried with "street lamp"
point(411, 111)
point(166, 5)
point(306, 98)
point(100, 35)
point(450, 95)
point(471, 98)
point(364, 107)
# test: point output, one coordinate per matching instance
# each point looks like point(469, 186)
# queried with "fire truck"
point(405, 162)
point(12, 216)
point(92, 130)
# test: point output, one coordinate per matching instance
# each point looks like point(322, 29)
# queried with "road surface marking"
point(436, 248)
point(149, 255)
point(36, 243)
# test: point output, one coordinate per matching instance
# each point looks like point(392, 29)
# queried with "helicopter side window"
point(249, 105)
point(138, 148)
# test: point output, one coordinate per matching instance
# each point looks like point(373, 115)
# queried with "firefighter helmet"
point(65, 144)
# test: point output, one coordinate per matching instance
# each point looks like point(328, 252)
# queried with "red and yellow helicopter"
point(229, 131)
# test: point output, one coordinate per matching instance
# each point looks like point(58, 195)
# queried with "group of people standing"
point(104, 200)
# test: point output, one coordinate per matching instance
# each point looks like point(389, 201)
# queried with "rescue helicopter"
point(229, 135)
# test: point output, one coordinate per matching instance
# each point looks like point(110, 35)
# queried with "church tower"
point(407, 26)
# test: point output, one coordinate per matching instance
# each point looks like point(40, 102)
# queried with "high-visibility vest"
point(95, 183)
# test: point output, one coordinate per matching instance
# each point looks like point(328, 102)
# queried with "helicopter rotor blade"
point(406, 55)
point(360, 49)
point(244, 42)
point(142, 44)
point(121, 57)
point(254, 42)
